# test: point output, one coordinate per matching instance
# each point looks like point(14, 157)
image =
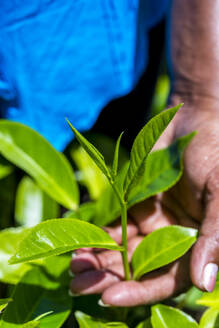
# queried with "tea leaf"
point(143, 144)
point(32, 205)
point(210, 299)
point(4, 302)
point(85, 212)
point(167, 317)
point(58, 236)
point(145, 324)
point(31, 152)
point(9, 241)
point(86, 321)
point(163, 169)
point(92, 151)
point(30, 324)
point(116, 157)
point(31, 296)
point(210, 319)
point(161, 247)
point(89, 173)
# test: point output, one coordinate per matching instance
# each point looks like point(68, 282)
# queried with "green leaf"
point(116, 157)
point(210, 299)
point(167, 317)
point(5, 168)
point(31, 152)
point(85, 212)
point(108, 208)
point(31, 324)
point(92, 151)
point(161, 247)
point(31, 298)
point(145, 324)
point(210, 319)
point(163, 169)
point(4, 303)
point(89, 173)
point(143, 144)
point(32, 205)
point(9, 241)
point(59, 236)
point(86, 321)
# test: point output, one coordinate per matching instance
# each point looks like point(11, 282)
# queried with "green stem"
point(124, 253)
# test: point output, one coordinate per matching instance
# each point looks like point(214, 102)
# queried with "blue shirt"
point(69, 58)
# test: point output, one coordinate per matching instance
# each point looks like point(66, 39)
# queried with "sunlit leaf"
point(30, 324)
point(32, 205)
point(92, 151)
point(145, 324)
point(85, 212)
point(144, 143)
point(161, 247)
point(210, 299)
point(167, 317)
point(32, 296)
point(116, 157)
point(86, 321)
point(107, 206)
point(163, 168)
point(9, 241)
point(4, 302)
point(210, 319)
point(5, 168)
point(31, 152)
point(59, 236)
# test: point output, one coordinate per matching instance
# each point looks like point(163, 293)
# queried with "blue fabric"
point(69, 58)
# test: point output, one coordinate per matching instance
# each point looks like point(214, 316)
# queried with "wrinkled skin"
point(193, 202)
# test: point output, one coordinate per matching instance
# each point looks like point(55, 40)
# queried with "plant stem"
point(124, 253)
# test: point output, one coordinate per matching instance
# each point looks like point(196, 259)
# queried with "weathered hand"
point(193, 202)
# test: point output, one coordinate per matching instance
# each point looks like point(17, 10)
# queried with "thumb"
point(205, 254)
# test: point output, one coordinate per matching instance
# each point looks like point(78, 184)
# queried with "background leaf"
point(92, 151)
point(31, 297)
point(165, 316)
point(86, 321)
point(59, 236)
point(145, 324)
point(143, 144)
point(31, 152)
point(210, 299)
point(85, 212)
point(9, 241)
point(32, 205)
point(161, 247)
point(4, 302)
point(163, 169)
point(210, 319)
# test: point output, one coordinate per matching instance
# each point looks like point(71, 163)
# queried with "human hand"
point(192, 203)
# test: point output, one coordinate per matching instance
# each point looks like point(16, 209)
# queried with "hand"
point(193, 202)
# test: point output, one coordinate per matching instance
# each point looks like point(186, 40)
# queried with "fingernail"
point(72, 294)
point(71, 274)
point(210, 276)
point(100, 302)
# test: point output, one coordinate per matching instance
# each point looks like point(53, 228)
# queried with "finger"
point(150, 215)
point(205, 255)
point(87, 260)
point(155, 287)
point(96, 281)
point(116, 231)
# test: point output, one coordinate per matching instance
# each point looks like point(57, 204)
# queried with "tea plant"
point(40, 254)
